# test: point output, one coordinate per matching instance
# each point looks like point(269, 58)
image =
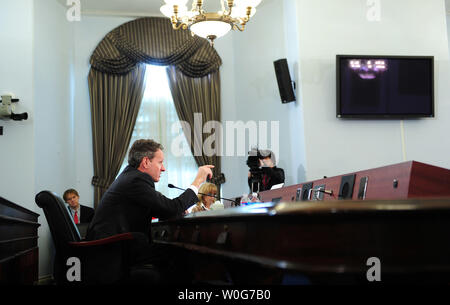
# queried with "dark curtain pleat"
point(199, 96)
point(115, 103)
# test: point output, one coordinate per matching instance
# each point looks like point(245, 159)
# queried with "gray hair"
point(140, 149)
point(268, 153)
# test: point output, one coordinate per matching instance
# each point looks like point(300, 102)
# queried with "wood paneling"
point(414, 180)
point(19, 253)
point(322, 241)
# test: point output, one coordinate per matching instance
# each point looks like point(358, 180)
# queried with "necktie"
point(265, 181)
point(75, 217)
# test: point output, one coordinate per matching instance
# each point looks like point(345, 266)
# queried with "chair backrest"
point(62, 227)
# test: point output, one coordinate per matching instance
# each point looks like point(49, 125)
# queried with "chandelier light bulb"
point(241, 12)
point(207, 28)
point(167, 10)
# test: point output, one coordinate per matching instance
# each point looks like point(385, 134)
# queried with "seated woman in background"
point(204, 202)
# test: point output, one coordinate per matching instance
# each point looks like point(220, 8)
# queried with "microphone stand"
point(175, 187)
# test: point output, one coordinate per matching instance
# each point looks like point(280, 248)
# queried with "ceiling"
point(119, 7)
point(134, 8)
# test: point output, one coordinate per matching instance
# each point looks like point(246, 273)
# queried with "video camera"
point(7, 109)
point(254, 155)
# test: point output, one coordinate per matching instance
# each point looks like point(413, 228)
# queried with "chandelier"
point(234, 14)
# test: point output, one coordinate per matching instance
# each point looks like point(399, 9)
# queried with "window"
point(155, 119)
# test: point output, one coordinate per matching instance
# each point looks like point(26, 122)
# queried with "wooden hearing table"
point(316, 241)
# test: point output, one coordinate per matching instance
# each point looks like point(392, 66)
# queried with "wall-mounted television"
point(373, 86)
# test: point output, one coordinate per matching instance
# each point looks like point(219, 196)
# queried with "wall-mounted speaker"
point(284, 81)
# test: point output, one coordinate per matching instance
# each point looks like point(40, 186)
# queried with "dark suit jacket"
point(130, 203)
point(271, 176)
point(86, 213)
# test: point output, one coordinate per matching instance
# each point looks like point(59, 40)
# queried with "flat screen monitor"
point(373, 86)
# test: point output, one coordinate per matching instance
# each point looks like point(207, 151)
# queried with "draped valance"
point(152, 40)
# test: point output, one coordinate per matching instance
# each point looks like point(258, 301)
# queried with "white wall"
point(296, 144)
point(35, 67)
point(16, 76)
point(224, 47)
point(256, 95)
point(407, 27)
point(53, 115)
point(447, 13)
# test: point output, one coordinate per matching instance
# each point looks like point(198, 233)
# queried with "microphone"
point(170, 185)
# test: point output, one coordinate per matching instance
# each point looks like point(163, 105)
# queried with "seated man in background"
point(131, 201)
point(80, 213)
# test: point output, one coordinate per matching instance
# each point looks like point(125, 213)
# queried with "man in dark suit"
point(131, 201)
point(80, 213)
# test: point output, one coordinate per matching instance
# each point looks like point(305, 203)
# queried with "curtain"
point(157, 119)
point(195, 99)
point(115, 102)
point(116, 79)
point(152, 40)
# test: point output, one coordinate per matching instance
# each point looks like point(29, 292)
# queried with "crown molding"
point(119, 14)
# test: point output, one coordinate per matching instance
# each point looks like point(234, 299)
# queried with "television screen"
point(384, 86)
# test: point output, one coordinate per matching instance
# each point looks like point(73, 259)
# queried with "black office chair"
point(103, 261)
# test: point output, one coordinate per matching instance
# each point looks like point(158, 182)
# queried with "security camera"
point(7, 109)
